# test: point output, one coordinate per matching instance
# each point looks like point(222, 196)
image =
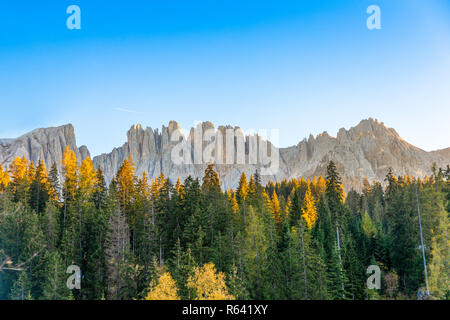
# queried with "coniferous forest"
point(292, 240)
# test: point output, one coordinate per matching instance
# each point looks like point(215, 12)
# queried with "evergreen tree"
point(54, 284)
point(21, 289)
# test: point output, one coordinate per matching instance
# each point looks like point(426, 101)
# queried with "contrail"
point(126, 110)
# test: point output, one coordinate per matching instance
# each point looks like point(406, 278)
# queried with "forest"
point(302, 239)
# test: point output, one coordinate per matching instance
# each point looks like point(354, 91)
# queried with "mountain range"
point(367, 150)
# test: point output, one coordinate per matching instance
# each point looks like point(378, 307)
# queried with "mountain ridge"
point(365, 150)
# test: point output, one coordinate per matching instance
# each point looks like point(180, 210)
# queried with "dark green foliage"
point(122, 240)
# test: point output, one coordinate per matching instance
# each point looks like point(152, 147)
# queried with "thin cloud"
point(126, 110)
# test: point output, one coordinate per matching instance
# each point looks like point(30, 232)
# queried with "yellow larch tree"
point(4, 179)
point(157, 185)
point(309, 211)
point(164, 289)
point(18, 173)
point(143, 187)
point(252, 187)
point(209, 284)
point(234, 203)
point(126, 182)
point(41, 176)
point(18, 169)
point(267, 201)
point(40, 187)
point(30, 172)
point(342, 193)
point(302, 183)
point(88, 177)
point(70, 169)
point(242, 191)
point(287, 209)
point(231, 196)
point(321, 185)
point(276, 209)
point(179, 189)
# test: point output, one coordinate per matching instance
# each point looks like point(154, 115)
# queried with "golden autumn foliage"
point(342, 193)
point(242, 191)
point(142, 186)
point(209, 284)
point(231, 196)
point(267, 201)
point(88, 177)
point(126, 182)
point(275, 206)
point(30, 172)
point(18, 169)
point(70, 168)
point(156, 186)
point(41, 175)
point(4, 178)
point(234, 204)
point(318, 186)
point(309, 211)
point(19, 173)
point(252, 187)
point(164, 289)
point(287, 209)
point(179, 189)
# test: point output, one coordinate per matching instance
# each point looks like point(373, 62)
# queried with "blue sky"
point(298, 66)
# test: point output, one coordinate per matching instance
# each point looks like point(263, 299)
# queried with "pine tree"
point(55, 187)
point(100, 191)
point(22, 288)
point(440, 262)
point(39, 188)
point(117, 249)
point(50, 226)
point(254, 249)
point(334, 192)
point(54, 284)
point(182, 265)
point(235, 284)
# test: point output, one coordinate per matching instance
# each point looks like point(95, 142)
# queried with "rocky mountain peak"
point(365, 150)
point(46, 144)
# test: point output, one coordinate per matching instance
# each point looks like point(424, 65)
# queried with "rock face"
point(152, 152)
point(367, 150)
point(42, 144)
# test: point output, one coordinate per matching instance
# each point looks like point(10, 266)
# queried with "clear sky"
point(298, 66)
